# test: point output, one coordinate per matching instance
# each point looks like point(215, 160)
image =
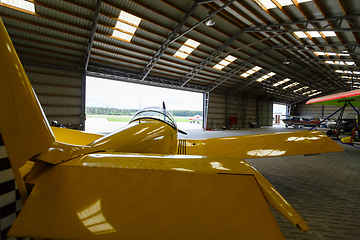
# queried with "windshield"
point(155, 113)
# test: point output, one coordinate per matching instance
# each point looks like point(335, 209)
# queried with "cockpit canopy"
point(155, 113)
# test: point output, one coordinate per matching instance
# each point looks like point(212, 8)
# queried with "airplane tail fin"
point(23, 125)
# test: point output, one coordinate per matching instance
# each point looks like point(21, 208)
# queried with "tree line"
point(130, 112)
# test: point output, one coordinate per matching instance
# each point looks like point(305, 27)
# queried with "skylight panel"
point(315, 94)
point(192, 43)
point(186, 49)
point(218, 66)
point(250, 71)
point(129, 18)
point(351, 78)
point(281, 82)
point(308, 92)
point(181, 54)
point(127, 26)
point(124, 36)
point(20, 4)
point(285, 2)
point(268, 4)
point(347, 72)
point(320, 53)
point(270, 74)
point(301, 1)
point(300, 89)
point(245, 75)
point(230, 58)
point(344, 54)
point(225, 62)
point(291, 85)
point(256, 68)
point(314, 33)
point(331, 54)
point(348, 63)
point(329, 33)
point(300, 34)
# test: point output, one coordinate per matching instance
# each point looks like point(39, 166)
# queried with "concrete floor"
point(324, 189)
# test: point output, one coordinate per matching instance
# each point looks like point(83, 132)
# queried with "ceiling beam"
point(92, 33)
point(209, 59)
point(228, 75)
point(147, 69)
point(310, 21)
point(174, 36)
point(253, 79)
point(97, 70)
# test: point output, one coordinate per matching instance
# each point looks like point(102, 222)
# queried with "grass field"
point(113, 118)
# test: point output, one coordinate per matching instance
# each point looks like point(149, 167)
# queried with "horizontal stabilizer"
point(117, 196)
point(74, 137)
point(264, 145)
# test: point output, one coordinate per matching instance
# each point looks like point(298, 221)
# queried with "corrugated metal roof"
point(59, 32)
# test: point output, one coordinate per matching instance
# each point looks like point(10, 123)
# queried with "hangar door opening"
point(111, 104)
point(279, 112)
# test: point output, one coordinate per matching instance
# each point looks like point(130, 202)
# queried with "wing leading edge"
point(338, 99)
point(126, 196)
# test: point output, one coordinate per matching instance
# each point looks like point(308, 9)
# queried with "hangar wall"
point(321, 111)
point(250, 112)
point(61, 94)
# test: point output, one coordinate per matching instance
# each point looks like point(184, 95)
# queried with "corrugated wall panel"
point(60, 93)
point(266, 113)
point(247, 110)
point(216, 112)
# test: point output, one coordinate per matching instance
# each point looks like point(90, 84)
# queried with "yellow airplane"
point(140, 182)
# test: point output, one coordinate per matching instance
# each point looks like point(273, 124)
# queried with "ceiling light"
point(210, 22)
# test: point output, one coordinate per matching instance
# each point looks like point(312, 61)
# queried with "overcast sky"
point(123, 95)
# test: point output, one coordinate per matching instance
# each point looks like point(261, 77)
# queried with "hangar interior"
point(255, 53)
point(243, 55)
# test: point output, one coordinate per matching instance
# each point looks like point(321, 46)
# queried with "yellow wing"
point(128, 196)
point(263, 145)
